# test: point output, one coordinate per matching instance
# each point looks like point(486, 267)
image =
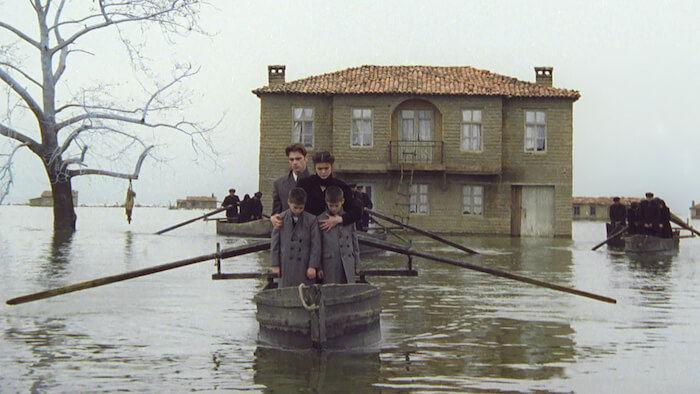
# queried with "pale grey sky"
point(636, 64)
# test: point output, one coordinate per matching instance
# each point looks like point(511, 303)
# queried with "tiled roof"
point(417, 80)
point(604, 200)
point(200, 198)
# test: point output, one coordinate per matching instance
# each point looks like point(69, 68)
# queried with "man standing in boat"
point(618, 213)
point(231, 204)
point(297, 156)
point(650, 214)
point(634, 219)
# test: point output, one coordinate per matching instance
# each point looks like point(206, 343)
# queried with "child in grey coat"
point(340, 251)
point(295, 249)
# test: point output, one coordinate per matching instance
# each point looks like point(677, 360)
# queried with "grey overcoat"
point(294, 248)
point(340, 253)
point(281, 188)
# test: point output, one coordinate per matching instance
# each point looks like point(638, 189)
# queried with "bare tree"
point(71, 125)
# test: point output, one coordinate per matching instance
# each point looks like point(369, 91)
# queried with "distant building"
point(450, 149)
point(46, 199)
point(596, 208)
point(198, 202)
point(695, 211)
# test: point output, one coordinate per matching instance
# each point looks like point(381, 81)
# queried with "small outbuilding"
point(46, 199)
point(596, 208)
point(198, 202)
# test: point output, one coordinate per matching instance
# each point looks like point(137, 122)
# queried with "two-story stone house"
point(447, 149)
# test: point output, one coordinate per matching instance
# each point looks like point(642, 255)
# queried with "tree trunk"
point(63, 212)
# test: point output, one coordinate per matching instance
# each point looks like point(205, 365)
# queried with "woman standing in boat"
point(315, 187)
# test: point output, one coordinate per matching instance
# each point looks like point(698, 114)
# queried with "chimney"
point(275, 75)
point(543, 76)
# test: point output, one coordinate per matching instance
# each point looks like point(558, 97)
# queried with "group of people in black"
point(250, 207)
point(651, 216)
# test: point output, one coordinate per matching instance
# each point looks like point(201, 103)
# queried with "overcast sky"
point(635, 63)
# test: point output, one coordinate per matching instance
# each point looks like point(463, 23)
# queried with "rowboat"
point(642, 243)
point(333, 317)
point(254, 229)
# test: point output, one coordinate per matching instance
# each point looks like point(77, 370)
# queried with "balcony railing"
point(416, 152)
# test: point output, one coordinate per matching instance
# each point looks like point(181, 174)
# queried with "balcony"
point(419, 155)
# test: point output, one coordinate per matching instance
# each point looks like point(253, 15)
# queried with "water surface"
point(450, 329)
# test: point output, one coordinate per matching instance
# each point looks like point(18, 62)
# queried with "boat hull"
point(336, 316)
point(254, 229)
point(641, 243)
point(618, 242)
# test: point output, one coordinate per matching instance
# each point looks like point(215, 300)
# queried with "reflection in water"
point(287, 371)
point(128, 247)
point(58, 258)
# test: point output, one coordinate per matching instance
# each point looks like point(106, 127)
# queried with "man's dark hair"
point(649, 195)
point(231, 190)
point(323, 157)
point(297, 147)
point(616, 199)
point(334, 194)
point(297, 196)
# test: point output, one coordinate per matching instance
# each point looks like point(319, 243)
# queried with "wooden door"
point(537, 211)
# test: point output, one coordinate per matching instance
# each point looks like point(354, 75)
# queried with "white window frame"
point(419, 199)
point(416, 132)
point(473, 200)
point(535, 137)
point(303, 125)
point(360, 117)
point(472, 133)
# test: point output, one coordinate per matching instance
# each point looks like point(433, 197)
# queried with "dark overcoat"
point(281, 188)
point(340, 253)
point(295, 247)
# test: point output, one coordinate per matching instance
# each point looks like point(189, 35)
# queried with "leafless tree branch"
point(6, 177)
point(134, 175)
point(22, 92)
point(21, 35)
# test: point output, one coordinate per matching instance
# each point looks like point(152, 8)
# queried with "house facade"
point(198, 202)
point(694, 210)
point(447, 149)
point(597, 208)
point(46, 199)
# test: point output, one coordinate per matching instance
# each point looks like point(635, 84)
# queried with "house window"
point(591, 211)
point(303, 127)
point(419, 199)
point(472, 200)
point(535, 131)
point(417, 125)
point(361, 131)
point(472, 140)
point(577, 211)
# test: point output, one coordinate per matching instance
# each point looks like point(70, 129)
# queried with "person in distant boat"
point(618, 213)
point(634, 219)
point(315, 187)
point(295, 247)
point(663, 226)
point(650, 214)
point(340, 250)
point(255, 206)
point(231, 203)
point(297, 157)
point(245, 210)
point(366, 205)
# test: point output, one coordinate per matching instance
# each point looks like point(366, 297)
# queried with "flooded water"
point(449, 329)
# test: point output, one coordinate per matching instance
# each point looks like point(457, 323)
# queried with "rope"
point(303, 301)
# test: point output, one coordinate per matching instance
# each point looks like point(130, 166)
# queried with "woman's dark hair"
point(323, 157)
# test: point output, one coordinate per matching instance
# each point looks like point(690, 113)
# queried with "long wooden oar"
point(610, 238)
point(364, 239)
point(226, 253)
point(190, 221)
point(675, 219)
point(426, 233)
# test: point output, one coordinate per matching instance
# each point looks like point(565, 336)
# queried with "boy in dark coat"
point(340, 250)
point(295, 249)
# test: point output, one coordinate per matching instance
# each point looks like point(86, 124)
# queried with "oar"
point(226, 253)
point(190, 221)
point(617, 234)
point(389, 231)
point(367, 240)
point(426, 233)
point(675, 219)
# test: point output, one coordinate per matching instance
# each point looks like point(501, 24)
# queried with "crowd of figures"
point(250, 207)
point(651, 216)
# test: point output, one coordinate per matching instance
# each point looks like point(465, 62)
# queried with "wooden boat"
point(335, 316)
point(611, 229)
point(255, 229)
point(641, 243)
